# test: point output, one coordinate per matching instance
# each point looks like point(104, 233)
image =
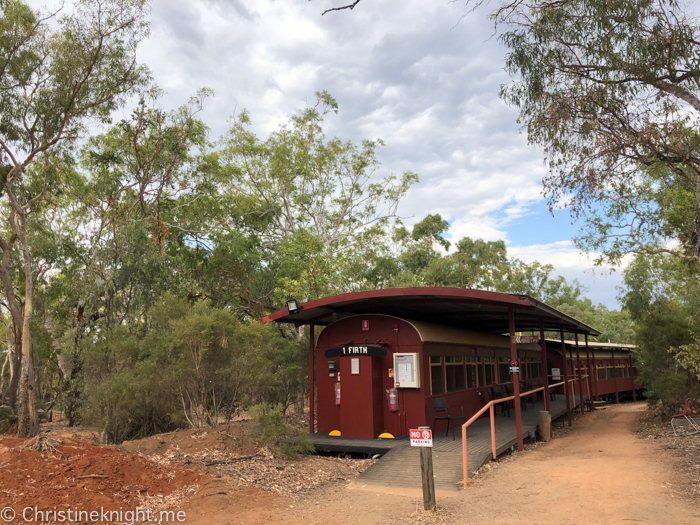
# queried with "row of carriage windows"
point(456, 373)
point(609, 372)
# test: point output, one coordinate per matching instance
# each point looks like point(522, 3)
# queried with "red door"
point(361, 400)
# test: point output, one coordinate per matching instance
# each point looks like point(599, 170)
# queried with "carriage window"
point(611, 374)
point(471, 372)
point(489, 371)
point(503, 370)
point(454, 373)
point(436, 377)
point(601, 373)
point(620, 371)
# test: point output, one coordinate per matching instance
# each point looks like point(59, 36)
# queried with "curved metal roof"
point(477, 310)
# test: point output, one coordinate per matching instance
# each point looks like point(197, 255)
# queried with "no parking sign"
point(514, 366)
point(421, 438)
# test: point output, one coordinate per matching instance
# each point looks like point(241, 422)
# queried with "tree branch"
point(349, 6)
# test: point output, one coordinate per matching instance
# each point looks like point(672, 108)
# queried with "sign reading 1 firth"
point(355, 350)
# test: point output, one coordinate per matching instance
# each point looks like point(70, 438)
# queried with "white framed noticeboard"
point(406, 371)
point(355, 365)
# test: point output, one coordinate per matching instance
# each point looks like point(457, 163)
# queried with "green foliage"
point(157, 250)
point(417, 258)
point(8, 418)
point(609, 91)
point(302, 446)
point(270, 423)
point(194, 366)
point(58, 71)
point(663, 297)
point(309, 199)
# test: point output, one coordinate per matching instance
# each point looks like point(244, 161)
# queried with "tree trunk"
point(28, 417)
point(15, 366)
point(2, 376)
point(15, 312)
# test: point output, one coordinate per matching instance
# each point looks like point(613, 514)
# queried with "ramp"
point(400, 467)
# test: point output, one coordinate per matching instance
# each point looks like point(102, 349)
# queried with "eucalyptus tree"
point(662, 296)
point(307, 198)
point(128, 207)
point(58, 72)
point(611, 92)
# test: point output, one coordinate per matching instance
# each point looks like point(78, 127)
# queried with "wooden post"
point(566, 378)
point(544, 371)
point(590, 372)
point(573, 378)
point(493, 432)
point(426, 472)
point(545, 425)
point(312, 359)
point(595, 371)
point(515, 378)
point(582, 406)
point(634, 391)
point(617, 394)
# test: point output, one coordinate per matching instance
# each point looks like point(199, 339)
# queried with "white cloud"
point(601, 282)
point(401, 71)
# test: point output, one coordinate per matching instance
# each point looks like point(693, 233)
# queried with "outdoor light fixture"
point(293, 306)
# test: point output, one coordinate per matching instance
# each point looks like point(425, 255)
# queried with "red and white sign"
point(365, 324)
point(421, 437)
point(525, 339)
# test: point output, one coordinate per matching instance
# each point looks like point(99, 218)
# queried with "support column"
point(580, 379)
point(543, 368)
point(312, 359)
point(515, 378)
point(634, 389)
point(617, 393)
point(590, 373)
point(566, 378)
point(595, 373)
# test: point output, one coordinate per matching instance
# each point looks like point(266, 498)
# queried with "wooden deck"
point(326, 443)
point(400, 464)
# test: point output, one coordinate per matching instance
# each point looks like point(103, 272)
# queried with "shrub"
point(301, 447)
point(8, 419)
point(193, 365)
point(270, 423)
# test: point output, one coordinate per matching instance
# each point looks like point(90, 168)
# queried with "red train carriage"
point(611, 367)
point(384, 355)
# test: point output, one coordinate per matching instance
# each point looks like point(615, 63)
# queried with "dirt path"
point(600, 473)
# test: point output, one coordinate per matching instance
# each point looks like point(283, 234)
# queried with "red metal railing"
point(489, 406)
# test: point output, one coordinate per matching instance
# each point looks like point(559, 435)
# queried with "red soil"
point(50, 481)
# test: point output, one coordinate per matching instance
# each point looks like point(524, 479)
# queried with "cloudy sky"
point(418, 74)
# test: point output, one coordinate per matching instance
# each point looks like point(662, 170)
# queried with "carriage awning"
point(477, 310)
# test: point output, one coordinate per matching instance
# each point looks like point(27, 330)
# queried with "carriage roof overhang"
point(594, 344)
point(602, 350)
point(477, 310)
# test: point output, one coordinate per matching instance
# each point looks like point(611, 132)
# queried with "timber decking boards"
point(400, 467)
point(326, 443)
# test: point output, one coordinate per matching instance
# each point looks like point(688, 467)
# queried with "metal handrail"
point(489, 406)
